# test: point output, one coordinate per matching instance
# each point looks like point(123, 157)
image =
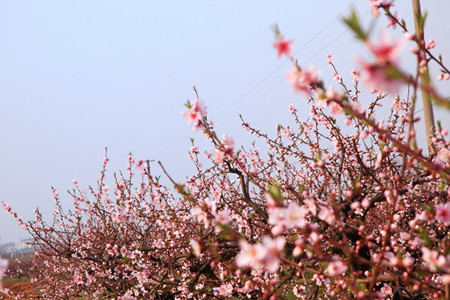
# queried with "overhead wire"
point(307, 43)
point(176, 145)
point(306, 61)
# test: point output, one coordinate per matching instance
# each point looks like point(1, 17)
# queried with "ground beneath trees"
point(23, 288)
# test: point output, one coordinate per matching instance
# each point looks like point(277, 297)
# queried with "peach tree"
point(343, 205)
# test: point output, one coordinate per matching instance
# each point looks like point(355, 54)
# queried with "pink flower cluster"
point(285, 218)
point(326, 212)
point(261, 256)
point(196, 113)
point(303, 80)
point(226, 149)
point(376, 76)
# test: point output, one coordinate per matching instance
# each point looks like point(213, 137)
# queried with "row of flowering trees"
point(341, 206)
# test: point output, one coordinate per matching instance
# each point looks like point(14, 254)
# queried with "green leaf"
point(276, 30)
point(393, 73)
point(355, 25)
point(347, 111)
point(442, 186)
point(276, 193)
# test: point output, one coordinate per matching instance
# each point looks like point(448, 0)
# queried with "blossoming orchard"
point(343, 205)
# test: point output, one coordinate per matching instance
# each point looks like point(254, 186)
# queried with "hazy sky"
point(76, 76)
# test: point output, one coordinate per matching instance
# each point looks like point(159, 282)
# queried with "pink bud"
point(431, 44)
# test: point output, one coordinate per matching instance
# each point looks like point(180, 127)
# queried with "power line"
point(284, 62)
point(175, 145)
point(306, 61)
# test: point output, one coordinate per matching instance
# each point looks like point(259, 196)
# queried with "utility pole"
point(424, 75)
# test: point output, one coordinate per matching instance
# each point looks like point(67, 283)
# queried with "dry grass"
point(24, 289)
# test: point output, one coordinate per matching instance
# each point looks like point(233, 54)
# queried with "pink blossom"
point(336, 268)
point(377, 4)
point(223, 217)
point(225, 289)
point(431, 44)
point(302, 79)
point(433, 259)
point(356, 75)
point(398, 104)
point(261, 256)
point(283, 47)
point(292, 109)
point(375, 78)
point(443, 76)
point(219, 155)
point(393, 20)
point(390, 258)
point(327, 214)
point(442, 158)
point(228, 144)
point(194, 150)
point(196, 248)
point(363, 134)
point(330, 59)
point(332, 94)
point(443, 213)
point(201, 216)
point(386, 290)
point(196, 113)
point(127, 296)
point(290, 217)
point(250, 255)
point(227, 149)
point(287, 132)
point(159, 243)
point(116, 250)
point(273, 247)
point(386, 50)
point(248, 286)
point(337, 77)
point(74, 182)
point(77, 278)
point(210, 205)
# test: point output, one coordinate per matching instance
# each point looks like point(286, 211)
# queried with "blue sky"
point(76, 76)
